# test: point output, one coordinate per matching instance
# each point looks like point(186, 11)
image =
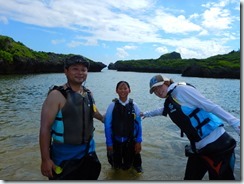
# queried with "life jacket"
point(123, 118)
point(196, 123)
point(74, 122)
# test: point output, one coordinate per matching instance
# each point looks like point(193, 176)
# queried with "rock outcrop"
point(16, 58)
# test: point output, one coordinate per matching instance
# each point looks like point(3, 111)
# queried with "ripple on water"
point(21, 98)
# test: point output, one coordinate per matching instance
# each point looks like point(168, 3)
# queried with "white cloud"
point(188, 53)
point(204, 32)
point(195, 48)
point(174, 24)
point(162, 50)
point(220, 3)
point(101, 20)
point(131, 5)
point(129, 47)
point(56, 42)
point(91, 41)
point(136, 21)
point(194, 16)
point(122, 51)
point(216, 18)
point(73, 44)
point(109, 20)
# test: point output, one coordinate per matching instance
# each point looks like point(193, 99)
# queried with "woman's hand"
point(142, 115)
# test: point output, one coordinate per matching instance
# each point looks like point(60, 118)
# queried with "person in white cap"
point(211, 148)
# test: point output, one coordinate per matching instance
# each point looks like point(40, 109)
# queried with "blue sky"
point(111, 30)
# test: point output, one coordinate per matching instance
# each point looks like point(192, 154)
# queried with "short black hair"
point(76, 59)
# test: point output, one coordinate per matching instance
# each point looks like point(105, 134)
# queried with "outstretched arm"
point(196, 99)
point(152, 113)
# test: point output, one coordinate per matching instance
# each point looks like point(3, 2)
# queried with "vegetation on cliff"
point(16, 58)
point(219, 66)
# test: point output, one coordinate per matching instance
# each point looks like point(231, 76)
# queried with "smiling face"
point(76, 74)
point(161, 91)
point(123, 90)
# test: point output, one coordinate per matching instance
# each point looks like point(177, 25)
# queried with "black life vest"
point(123, 118)
point(74, 125)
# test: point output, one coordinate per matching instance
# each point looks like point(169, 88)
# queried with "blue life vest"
point(196, 123)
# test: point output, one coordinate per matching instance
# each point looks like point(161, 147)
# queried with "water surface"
point(21, 98)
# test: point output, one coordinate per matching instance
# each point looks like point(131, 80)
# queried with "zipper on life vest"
point(83, 118)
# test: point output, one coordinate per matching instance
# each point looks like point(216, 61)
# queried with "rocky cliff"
point(219, 66)
point(16, 58)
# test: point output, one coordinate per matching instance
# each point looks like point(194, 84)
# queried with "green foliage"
point(16, 50)
point(15, 57)
point(12, 51)
point(228, 64)
point(21, 52)
point(230, 60)
point(5, 56)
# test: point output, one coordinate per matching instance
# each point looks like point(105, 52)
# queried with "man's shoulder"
point(55, 87)
point(57, 90)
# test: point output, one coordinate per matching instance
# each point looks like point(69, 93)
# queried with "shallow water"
point(21, 98)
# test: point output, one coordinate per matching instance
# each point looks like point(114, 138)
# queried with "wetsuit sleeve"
point(155, 112)
point(108, 124)
point(138, 124)
point(190, 96)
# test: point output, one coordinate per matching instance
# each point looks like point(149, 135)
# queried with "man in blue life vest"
point(66, 133)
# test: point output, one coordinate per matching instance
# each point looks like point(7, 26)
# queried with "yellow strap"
point(94, 108)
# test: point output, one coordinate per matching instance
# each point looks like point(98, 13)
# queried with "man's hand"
point(47, 168)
